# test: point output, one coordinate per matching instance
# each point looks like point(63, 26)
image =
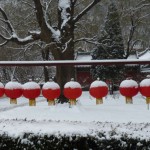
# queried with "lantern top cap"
point(72, 79)
point(30, 80)
point(50, 79)
point(13, 80)
point(98, 79)
point(148, 76)
point(129, 78)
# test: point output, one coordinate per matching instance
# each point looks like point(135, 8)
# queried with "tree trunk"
point(45, 56)
point(64, 75)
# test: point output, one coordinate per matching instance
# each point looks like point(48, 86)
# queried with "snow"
point(13, 85)
point(51, 85)
point(72, 84)
point(145, 55)
point(31, 85)
point(22, 39)
point(145, 82)
point(63, 6)
point(84, 118)
point(1, 85)
point(129, 83)
point(98, 84)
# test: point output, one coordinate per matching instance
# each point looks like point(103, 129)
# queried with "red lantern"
point(72, 90)
point(98, 89)
point(145, 89)
point(129, 88)
point(51, 91)
point(31, 90)
point(13, 90)
point(1, 89)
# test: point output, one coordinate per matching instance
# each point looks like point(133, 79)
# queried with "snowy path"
point(84, 118)
point(6, 107)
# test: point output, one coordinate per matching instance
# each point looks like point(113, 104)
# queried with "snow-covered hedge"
point(32, 141)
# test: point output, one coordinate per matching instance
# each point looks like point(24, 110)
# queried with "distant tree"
point(110, 46)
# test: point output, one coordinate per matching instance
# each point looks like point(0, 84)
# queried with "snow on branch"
point(13, 36)
point(63, 5)
point(88, 40)
point(66, 45)
point(42, 20)
point(83, 12)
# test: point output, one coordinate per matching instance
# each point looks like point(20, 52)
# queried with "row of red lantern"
point(130, 88)
point(51, 91)
point(72, 90)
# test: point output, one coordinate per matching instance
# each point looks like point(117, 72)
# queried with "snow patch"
point(51, 85)
point(145, 82)
point(31, 85)
point(129, 83)
point(72, 84)
point(1, 85)
point(13, 85)
point(98, 84)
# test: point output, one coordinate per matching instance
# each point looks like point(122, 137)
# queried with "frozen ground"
point(84, 118)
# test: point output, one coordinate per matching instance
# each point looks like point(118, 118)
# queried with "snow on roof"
point(145, 54)
point(132, 56)
point(83, 56)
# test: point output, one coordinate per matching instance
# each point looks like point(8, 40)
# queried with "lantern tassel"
point(99, 101)
point(147, 100)
point(32, 102)
point(129, 100)
point(51, 102)
point(72, 101)
point(13, 101)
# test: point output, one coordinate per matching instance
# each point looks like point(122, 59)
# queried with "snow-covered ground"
point(84, 118)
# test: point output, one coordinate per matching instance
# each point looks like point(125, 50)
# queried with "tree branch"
point(13, 36)
point(82, 13)
point(40, 14)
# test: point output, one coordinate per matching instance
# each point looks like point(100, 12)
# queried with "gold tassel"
point(13, 101)
point(147, 100)
point(32, 102)
point(72, 101)
point(129, 100)
point(99, 101)
point(51, 102)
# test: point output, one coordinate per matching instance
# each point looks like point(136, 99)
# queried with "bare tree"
point(135, 20)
